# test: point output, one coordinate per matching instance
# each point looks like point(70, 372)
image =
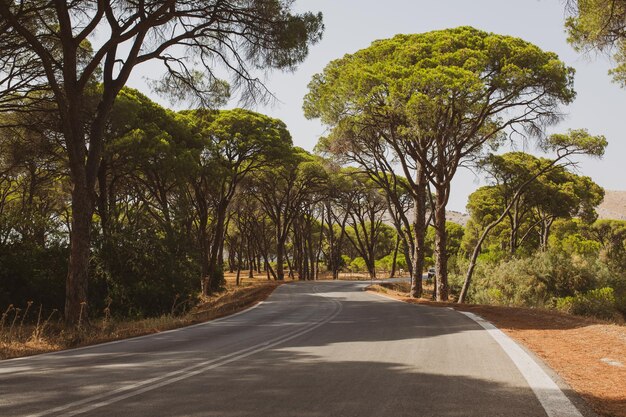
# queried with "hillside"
point(457, 217)
point(614, 206)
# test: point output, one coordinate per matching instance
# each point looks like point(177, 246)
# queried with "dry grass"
point(573, 346)
point(20, 339)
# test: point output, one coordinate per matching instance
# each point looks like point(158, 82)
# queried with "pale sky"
point(353, 24)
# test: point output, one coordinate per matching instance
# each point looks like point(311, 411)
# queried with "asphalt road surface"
point(311, 349)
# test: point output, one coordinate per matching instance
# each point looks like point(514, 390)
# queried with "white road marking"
point(188, 372)
point(612, 362)
point(553, 400)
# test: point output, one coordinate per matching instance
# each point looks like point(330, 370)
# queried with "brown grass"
point(572, 346)
point(26, 340)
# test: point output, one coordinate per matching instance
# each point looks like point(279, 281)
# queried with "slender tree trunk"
point(318, 252)
point(103, 204)
point(408, 255)
point(280, 256)
point(311, 255)
point(395, 257)
point(441, 254)
point(474, 258)
point(251, 265)
point(213, 280)
point(290, 267)
point(419, 233)
point(231, 260)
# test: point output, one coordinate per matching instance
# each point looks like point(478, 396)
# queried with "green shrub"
point(32, 273)
point(344, 262)
point(358, 265)
point(598, 303)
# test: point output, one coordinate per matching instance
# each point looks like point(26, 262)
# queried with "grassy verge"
point(585, 352)
point(18, 339)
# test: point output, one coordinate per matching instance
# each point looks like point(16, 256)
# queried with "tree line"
point(141, 197)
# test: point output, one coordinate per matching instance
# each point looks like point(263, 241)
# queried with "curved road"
point(312, 349)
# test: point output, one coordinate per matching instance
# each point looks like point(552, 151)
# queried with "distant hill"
point(614, 206)
point(457, 217)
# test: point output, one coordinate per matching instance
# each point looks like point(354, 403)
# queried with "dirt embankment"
point(590, 355)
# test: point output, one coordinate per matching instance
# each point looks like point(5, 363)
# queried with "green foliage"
point(358, 265)
point(345, 261)
point(455, 233)
point(144, 272)
point(386, 263)
point(534, 193)
point(601, 25)
point(578, 245)
point(578, 140)
point(32, 273)
point(600, 303)
point(536, 279)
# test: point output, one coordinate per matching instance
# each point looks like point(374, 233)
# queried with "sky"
point(351, 25)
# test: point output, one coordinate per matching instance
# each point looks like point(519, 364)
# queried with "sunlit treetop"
point(462, 82)
point(600, 25)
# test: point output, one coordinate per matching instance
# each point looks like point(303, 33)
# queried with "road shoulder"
point(585, 353)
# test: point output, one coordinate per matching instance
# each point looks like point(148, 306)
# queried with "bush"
point(600, 303)
point(344, 262)
point(33, 273)
point(537, 279)
point(516, 282)
point(144, 274)
point(386, 264)
point(358, 265)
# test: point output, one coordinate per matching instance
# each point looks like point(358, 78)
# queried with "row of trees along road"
point(76, 143)
point(176, 192)
point(430, 103)
point(71, 60)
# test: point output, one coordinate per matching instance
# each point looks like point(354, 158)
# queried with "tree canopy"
point(600, 25)
point(435, 100)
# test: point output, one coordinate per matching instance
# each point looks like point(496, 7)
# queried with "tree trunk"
point(441, 254)
point(419, 233)
point(395, 257)
point(80, 237)
point(280, 257)
point(213, 280)
point(290, 267)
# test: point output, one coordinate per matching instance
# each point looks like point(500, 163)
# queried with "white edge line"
point(551, 397)
point(114, 342)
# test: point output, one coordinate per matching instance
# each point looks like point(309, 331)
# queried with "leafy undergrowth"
point(579, 349)
point(19, 339)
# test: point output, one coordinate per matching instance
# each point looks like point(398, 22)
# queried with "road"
point(311, 349)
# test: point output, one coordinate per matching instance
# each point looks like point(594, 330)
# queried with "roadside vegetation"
point(29, 332)
point(114, 208)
